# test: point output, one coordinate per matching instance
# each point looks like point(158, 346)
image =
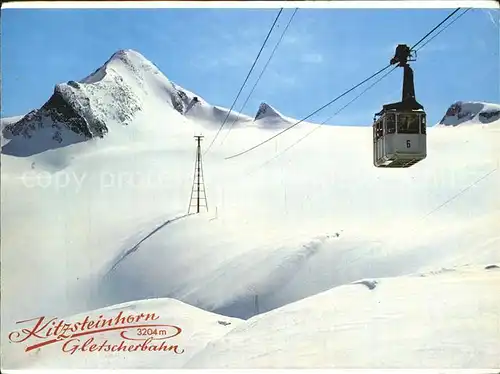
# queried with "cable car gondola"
point(399, 129)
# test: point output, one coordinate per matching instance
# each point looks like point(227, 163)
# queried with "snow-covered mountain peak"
point(128, 55)
point(471, 113)
point(124, 61)
point(111, 97)
point(268, 116)
point(267, 111)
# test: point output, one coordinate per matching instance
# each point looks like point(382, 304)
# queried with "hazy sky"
point(209, 52)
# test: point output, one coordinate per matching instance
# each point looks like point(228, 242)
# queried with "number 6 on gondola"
point(399, 129)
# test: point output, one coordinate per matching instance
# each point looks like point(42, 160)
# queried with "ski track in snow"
point(136, 247)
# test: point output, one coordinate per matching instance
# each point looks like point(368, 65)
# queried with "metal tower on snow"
point(198, 196)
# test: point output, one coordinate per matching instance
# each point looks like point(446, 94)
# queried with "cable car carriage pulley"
point(399, 129)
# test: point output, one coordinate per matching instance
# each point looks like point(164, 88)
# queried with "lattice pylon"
point(198, 195)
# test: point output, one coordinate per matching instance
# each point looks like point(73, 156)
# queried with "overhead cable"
point(243, 85)
point(261, 73)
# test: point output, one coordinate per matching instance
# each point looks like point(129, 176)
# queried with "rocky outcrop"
point(64, 109)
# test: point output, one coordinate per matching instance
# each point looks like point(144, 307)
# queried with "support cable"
point(243, 85)
point(261, 74)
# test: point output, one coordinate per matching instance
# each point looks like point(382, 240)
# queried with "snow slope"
point(371, 323)
point(101, 221)
point(446, 319)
